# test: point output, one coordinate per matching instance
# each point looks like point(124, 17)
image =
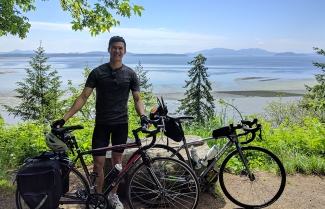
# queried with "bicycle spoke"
point(266, 184)
point(179, 186)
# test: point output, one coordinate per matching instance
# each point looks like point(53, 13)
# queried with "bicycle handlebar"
point(63, 130)
point(144, 129)
point(227, 131)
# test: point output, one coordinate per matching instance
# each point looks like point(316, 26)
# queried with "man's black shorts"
point(103, 133)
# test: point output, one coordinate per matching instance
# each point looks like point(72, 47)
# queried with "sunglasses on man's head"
point(114, 77)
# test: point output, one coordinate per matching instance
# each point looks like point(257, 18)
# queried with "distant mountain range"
point(223, 51)
point(206, 52)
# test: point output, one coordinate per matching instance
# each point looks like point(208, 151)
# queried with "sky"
point(182, 26)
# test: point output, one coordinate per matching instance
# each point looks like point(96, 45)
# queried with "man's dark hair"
point(116, 39)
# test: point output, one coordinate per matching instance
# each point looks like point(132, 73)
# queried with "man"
point(113, 82)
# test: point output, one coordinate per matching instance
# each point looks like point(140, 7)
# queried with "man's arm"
point(138, 104)
point(78, 103)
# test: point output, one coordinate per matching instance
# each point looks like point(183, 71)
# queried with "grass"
point(7, 187)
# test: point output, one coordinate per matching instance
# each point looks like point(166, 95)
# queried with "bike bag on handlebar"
point(173, 129)
point(221, 132)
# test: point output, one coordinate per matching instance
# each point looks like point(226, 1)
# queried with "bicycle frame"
point(185, 146)
point(89, 176)
point(232, 139)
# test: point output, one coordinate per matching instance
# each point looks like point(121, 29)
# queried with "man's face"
point(117, 51)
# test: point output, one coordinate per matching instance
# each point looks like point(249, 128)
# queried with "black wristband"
point(143, 116)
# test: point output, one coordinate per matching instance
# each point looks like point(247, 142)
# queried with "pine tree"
point(146, 96)
point(87, 112)
point(146, 87)
point(314, 100)
point(39, 93)
point(198, 101)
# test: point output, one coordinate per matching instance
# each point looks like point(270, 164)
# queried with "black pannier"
point(173, 129)
point(40, 184)
point(63, 158)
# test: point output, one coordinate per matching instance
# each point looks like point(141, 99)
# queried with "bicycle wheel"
point(75, 182)
point(265, 185)
point(158, 150)
point(179, 185)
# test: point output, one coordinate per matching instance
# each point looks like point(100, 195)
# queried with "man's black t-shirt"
point(112, 92)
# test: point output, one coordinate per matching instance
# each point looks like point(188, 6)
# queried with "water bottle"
point(195, 158)
point(109, 178)
point(212, 176)
point(210, 155)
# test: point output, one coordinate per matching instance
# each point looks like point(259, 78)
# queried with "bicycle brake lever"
point(260, 135)
point(144, 127)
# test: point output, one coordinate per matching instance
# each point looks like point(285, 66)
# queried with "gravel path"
point(301, 192)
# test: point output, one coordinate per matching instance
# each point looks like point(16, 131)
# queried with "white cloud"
point(48, 26)
point(163, 34)
point(153, 34)
point(59, 37)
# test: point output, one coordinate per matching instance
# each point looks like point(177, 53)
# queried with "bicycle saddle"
point(64, 129)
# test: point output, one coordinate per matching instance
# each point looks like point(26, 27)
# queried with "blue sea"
point(168, 70)
point(168, 73)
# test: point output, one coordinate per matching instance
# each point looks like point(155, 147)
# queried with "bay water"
point(169, 73)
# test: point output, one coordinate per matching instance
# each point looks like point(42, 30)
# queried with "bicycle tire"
point(76, 181)
point(181, 188)
point(257, 192)
point(164, 150)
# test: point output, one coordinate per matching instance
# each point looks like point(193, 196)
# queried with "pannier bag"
point(64, 169)
point(40, 184)
point(173, 129)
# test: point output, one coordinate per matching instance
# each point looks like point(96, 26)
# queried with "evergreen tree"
point(146, 96)
point(314, 100)
point(87, 112)
point(198, 101)
point(39, 93)
point(146, 87)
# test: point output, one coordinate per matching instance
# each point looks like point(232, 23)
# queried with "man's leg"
point(99, 162)
point(119, 136)
point(116, 159)
point(112, 196)
point(101, 137)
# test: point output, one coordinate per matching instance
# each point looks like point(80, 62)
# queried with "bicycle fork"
point(247, 170)
point(148, 161)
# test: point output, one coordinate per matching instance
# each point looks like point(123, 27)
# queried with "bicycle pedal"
point(211, 185)
point(95, 174)
point(82, 194)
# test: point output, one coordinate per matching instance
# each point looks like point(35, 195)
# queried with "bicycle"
point(242, 175)
point(156, 182)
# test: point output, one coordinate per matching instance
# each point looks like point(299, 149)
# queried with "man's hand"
point(144, 121)
point(58, 123)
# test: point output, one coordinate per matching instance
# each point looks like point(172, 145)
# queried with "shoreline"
point(248, 95)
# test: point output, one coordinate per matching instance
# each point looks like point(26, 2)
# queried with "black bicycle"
point(250, 176)
point(160, 182)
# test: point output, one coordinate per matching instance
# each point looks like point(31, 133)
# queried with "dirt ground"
point(303, 192)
